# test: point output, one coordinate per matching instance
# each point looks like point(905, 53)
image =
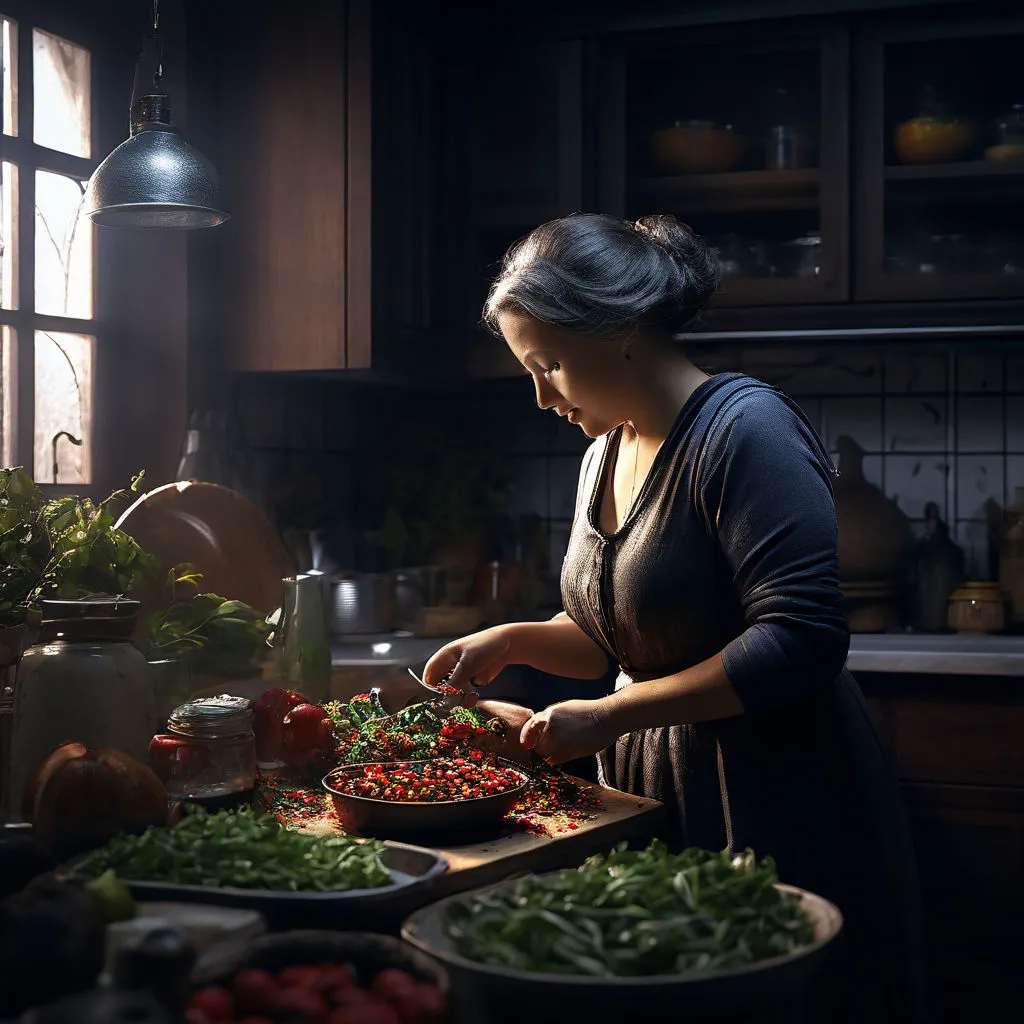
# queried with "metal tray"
point(446, 820)
point(413, 869)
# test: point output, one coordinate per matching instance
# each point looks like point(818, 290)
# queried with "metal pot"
point(362, 604)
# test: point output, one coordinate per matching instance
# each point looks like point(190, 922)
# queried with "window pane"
point(8, 235)
point(61, 94)
point(8, 395)
point(63, 248)
point(9, 74)
point(63, 403)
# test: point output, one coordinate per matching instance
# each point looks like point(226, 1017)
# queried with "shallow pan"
point(436, 819)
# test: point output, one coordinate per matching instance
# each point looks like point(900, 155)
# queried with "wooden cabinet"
point(842, 237)
point(956, 746)
point(940, 161)
point(514, 154)
point(740, 133)
point(328, 149)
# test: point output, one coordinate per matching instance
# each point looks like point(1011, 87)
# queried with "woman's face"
point(580, 378)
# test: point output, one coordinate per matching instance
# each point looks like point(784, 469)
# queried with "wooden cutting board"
point(470, 865)
point(622, 817)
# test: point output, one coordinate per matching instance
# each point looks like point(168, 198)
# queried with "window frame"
point(28, 157)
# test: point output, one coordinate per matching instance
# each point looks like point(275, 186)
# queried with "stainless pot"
point(363, 603)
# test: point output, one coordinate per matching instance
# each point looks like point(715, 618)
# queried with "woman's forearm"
point(698, 694)
point(556, 646)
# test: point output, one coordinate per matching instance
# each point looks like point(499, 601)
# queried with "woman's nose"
point(547, 396)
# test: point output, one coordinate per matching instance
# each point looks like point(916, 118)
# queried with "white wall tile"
point(914, 480)
point(906, 373)
point(1015, 373)
point(859, 418)
point(834, 371)
point(1014, 476)
point(979, 424)
point(979, 373)
point(915, 424)
point(975, 540)
point(1015, 423)
point(979, 480)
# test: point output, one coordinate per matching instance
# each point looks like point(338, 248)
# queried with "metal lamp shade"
point(155, 179)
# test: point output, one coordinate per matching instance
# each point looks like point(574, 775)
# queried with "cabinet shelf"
point(965, 169)
point(739, 190)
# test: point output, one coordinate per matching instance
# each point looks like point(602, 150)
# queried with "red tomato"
point(214, 1003)
point(424, 1004)
point(392, 984)
point(301, 1002)
point(268, 713)
point(307, 732)
point(332, 976)
point(344, 996)
point(370, 1012)
point(254, 990)
point(300, 976)
point(255, 1020)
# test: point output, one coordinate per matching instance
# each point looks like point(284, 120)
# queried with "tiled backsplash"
point(939, 424)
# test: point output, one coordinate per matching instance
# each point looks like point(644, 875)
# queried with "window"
point(47, 285)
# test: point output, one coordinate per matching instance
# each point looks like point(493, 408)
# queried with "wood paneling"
point(296, 173)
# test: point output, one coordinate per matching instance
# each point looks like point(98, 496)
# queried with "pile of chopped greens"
point(635, 914)
point(364, 730)
point(241, 850)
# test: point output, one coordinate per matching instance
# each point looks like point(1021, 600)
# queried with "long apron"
point(808, 784)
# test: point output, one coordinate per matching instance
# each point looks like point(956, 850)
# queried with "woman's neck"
point(670, 378)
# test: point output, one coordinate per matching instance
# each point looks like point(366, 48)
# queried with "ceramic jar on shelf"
point(977, 608)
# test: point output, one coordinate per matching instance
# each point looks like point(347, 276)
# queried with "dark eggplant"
point(52, 943)
point(21, 860)
point(104, 1006)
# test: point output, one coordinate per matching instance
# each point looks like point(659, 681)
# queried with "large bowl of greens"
point(629, 932)
point(243, 859)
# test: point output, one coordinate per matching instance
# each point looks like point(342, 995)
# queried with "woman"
point(703, 560)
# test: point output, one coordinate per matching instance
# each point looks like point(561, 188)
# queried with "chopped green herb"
point(241, 850)
point(633, 914)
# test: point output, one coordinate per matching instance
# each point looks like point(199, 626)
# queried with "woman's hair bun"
point(698, 261)
point(603, 276)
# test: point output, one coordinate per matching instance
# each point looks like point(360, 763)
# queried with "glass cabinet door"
point(941, 162)
point(738, 136)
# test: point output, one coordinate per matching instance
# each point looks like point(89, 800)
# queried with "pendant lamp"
point(154, 179)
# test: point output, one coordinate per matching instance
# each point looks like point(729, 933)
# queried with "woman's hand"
point(565, 731)
point(473, 661)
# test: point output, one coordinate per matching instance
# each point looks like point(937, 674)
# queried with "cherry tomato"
point(254, 990)
point(370, 1012)
point(214, 1003)
point(392, 984)
point(301, 1002)
point(334, 976)
point(300, 976)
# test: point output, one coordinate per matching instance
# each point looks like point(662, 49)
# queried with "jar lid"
point(213, 717)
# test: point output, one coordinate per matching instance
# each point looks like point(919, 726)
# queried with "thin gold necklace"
point(636, 458)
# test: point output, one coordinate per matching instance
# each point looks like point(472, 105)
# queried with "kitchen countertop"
point(869, 652)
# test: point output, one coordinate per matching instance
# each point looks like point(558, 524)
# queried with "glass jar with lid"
point(208, 754)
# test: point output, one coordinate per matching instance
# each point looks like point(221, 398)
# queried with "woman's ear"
point(628, 341)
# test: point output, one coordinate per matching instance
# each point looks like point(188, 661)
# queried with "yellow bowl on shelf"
point(696, 147)
point(933, 140)
point(1005, 153)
